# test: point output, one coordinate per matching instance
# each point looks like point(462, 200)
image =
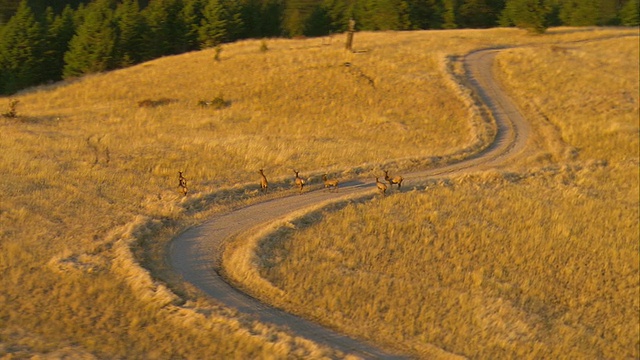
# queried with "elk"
point(299, 181)
point(264, 184)
point(382, 187)
point(328, 184)
point(395, 180)
point(182, 183)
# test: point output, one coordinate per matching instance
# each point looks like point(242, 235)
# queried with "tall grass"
point(539, 260)
point(90, 179)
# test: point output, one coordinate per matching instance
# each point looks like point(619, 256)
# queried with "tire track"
point(196, 253)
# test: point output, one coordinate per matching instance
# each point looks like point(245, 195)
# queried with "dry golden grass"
point(537, 263)
point(90, 179)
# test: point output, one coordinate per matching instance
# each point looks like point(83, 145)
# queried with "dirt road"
point(192, 252)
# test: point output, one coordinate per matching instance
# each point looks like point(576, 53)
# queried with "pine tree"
point(296, 15)
point(166, 29)
point(213, 28)
point(449, 16)
point(526, 14)
point(21, 51)
point(272, 14)
point(426, 14)
point(7, 9)
point(131, 29)
point(579, 12)
point(629, 14)
point(338, 13)
point(319, 22)
point(92, 47)
point(233, 16)
point(478, 14)
point(382, 15)
point(60, 31)
point(192, 16)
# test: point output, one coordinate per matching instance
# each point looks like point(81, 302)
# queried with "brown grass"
point(537, 263)
point(90, 184)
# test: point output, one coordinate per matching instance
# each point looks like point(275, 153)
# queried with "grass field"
point(89, 192)
point(537, 260)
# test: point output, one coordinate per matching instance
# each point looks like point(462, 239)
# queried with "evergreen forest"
point(42, 42)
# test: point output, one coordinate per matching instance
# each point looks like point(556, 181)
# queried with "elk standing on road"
point(264, 184)
point(328, 184)
point(299, 181)
point(395, 180)
point(382, 187)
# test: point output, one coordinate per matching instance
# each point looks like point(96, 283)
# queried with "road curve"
point(196, 253)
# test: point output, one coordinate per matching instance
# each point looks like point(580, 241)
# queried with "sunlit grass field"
point(535, 260)
point(90, 190)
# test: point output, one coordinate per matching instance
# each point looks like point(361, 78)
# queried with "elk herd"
point(300, 182)
point(332, 184)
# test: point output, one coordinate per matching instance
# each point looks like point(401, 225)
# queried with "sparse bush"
point(155, 103)
point(216, 103)
point(12, 112)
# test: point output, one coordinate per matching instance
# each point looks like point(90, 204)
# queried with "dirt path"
point(191, 253)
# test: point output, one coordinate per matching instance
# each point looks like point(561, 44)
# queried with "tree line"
point(41, 43)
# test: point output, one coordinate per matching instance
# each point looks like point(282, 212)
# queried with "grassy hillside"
point(535, 260)
point(90, 177)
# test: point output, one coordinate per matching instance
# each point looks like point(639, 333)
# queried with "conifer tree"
point(319, 22)
point(21, 51)
point(221, 22)
point(426, 14)
point(233, 16)
point(192, 16)
point(213, 28)
point(131, 29)
point(449, 15)
point(296, 15)
point(382, 15)
point(630, 14)
point(251, 17)
point(166, 33)
point(478, 14)
point(526, 14)
point(293, 23)
point(579, 12)
point(261, 18)
point(272, 13)
point(7, 9)
point(61, 29)
point(92, 47)
point(338, 13)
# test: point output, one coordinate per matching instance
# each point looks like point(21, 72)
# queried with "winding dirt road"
point(191, 253)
